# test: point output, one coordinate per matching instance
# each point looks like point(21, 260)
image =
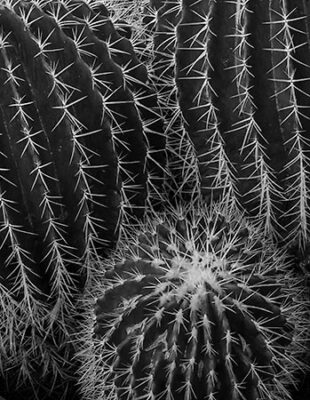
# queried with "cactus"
point(82, 151)
point(233, 82)
point(197, 305)
point(184, 176)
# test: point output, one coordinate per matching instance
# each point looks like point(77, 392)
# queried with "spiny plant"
point(82, 151)
point(198, 304)
point(183, 167)
point(233, 80)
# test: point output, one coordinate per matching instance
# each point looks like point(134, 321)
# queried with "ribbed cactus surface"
point(81, 151)
point(198, 305)
point(233, 76)
point(74, 143)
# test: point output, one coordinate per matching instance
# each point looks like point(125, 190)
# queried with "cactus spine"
point(82, 151)
point(198, 305)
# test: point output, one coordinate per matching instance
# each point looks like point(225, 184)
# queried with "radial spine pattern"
point(198, 305)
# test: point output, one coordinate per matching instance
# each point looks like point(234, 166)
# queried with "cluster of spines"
point(197, 305)
point(82, 150)
point(240, 92)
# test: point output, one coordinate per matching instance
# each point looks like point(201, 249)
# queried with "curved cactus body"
point(197, 306)
point(239, 72)
point(82, 151)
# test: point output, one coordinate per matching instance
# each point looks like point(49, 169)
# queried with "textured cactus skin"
point(82, 151)
point(241, 88)
point(198, 305)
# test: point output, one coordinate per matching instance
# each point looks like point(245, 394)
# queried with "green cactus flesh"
point(197, 305)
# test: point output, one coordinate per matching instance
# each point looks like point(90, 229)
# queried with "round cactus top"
point(196, 304)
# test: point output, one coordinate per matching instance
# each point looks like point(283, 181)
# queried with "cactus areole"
point(197, 306)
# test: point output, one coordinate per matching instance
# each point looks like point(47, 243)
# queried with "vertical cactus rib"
point(293, 84)
point(196, 93)
point(181, 158)
point(255, 173)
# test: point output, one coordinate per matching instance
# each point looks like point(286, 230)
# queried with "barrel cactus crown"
point(198, 305)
